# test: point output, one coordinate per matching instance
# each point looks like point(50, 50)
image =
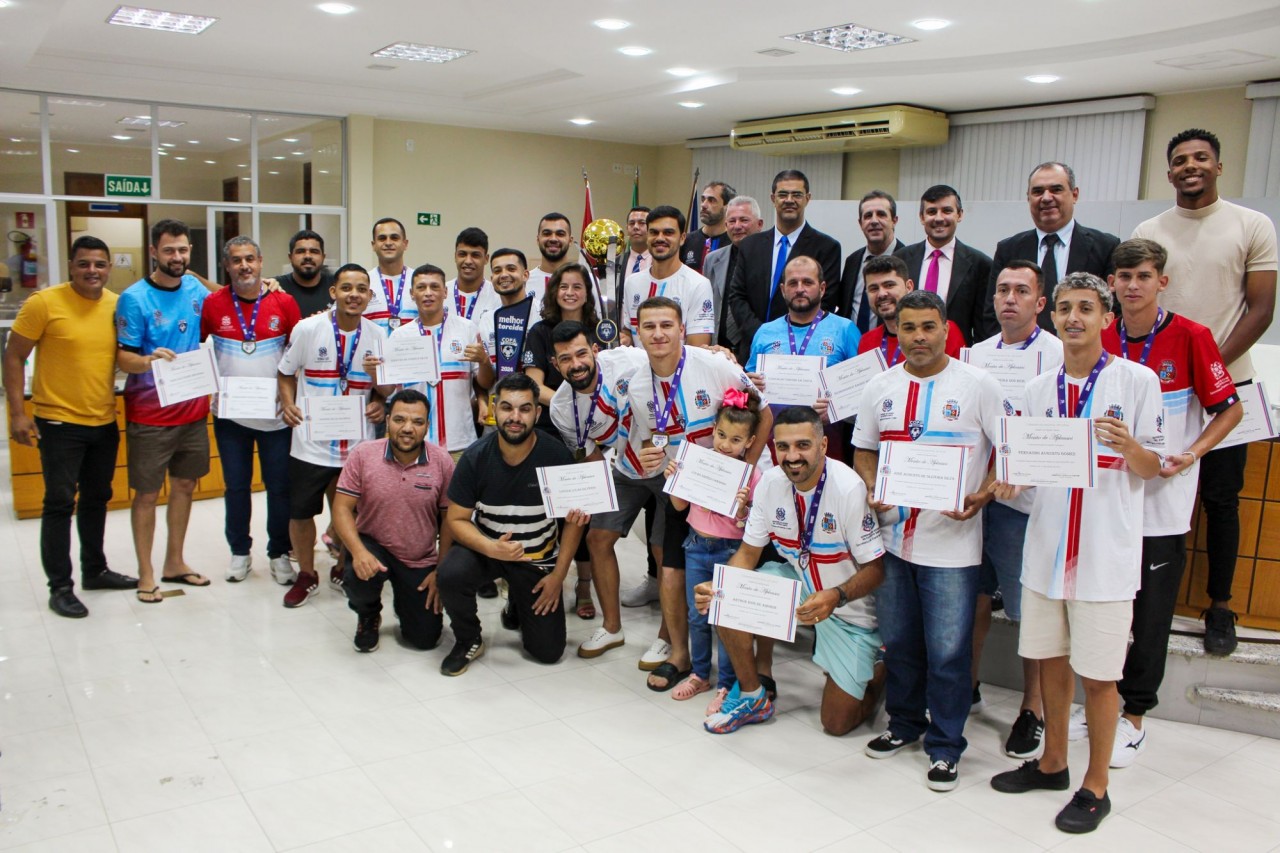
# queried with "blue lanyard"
point(809, 526)
point(1146, 346)
point(249, 330)
point(884, 350)
point(466, 309)
point(394, 307)
point(1086, 390)
point(344, 360)
point(1031, 339)
point(804, 345)
point(583, 434)
point(438, 333)
point(662, 415)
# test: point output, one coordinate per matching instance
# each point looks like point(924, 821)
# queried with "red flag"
point(587, 217)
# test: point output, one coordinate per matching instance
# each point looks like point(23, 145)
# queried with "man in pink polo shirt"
point(387, 510)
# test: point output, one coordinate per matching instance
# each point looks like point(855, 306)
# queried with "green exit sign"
point(428, 219)
point(128, 186)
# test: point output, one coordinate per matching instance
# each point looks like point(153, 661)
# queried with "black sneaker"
point(943, 775)
point(63, 601)
point(367, 633)
point(1084, 812)
point(457, 661)
point(1027, 736)
point(488, 590)
point(1219, 630)
point(1029, 777)
point(886, 745)
point(107, 579)
point(977, 703)
point(510, 620)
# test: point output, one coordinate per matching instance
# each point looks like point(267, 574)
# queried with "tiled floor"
point(221, 721)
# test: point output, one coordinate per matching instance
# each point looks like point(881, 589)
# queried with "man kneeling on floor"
point(387, 510)
point(815, 512)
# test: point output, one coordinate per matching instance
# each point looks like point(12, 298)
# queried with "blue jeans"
point(235, 447)
point(701, 553)
point(926, 621)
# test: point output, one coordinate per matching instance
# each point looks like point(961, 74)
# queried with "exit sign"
point(428, 219)
point(128, 186)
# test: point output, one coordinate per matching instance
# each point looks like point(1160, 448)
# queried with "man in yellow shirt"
point(73, 393)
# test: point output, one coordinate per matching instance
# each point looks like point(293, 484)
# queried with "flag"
point(693, 203)
point(587, 217)
point(635, 190)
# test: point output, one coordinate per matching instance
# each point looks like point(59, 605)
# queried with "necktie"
point(1049, 266)
point(864, 305)
point(931, 277)
point(639, 258)
point(778, 267)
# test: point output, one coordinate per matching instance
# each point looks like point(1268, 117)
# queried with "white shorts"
point(1094, 634)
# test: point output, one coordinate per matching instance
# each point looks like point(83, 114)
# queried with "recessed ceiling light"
point(145, 121)
point(846, 90)
point(1043, 78)
point(158, 19)
point(377, 67)
point(233, 139)
point(4, 4)
point(193, 141)
point(168, 145)
point(278, 157)
point(635, 50)
point(682, 71)
point(848, 37)
point(290, 139)
point(121, 136)
point(336, 8)
point(324, 171)
point(75, 102)
point(242, 165)
point(690, 105)
point(582, 122)
point(211, 162)
point(931, 24)
point(73, 150)
point(15, 138)
point(273, 173)
point(612, 24)
point(179, 158)
point(411, 52)
point(244, 179)
point(163, 153)
point(297, 153)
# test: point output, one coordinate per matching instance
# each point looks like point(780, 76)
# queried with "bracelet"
point(1192, 454)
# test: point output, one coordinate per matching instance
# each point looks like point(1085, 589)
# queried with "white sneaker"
point(239, 568)
point(641, 594)
point(657, 655)
point(282, 570)
point(1077, 726)
point(1129, 743)
point(600, 642)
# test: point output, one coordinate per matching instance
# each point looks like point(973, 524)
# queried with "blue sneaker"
point(738, 711)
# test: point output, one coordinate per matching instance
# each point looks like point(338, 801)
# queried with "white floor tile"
point(96, 840)
point(319, 808)
point(613, 801)
point(282, 756)
point(215, 826)
point(501, 822)
point(738, 819)
point(122, 739)
point(34, 710)
point(680, 833)
point(698, 772)
point(451, 775)
point(1199, 819)
point(39, 755)
point(479, 713)
point(36, 811)
point(947, 825)
point(398, 836)
point(540, 753)
point(391, 732)
point(118, 695)
point(157, 782)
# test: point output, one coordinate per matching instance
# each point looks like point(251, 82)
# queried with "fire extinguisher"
point(30, 263)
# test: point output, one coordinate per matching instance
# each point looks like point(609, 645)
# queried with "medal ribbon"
point(1031, 339)
point(465, 310)
point(804, 345)
point(884, 351)
point(1086, 390)
point(394, 307)
point(1146, 346)
point(810, 517)
point(663, 415)
point(250, 330)
point(581, 433)
point(344, 361)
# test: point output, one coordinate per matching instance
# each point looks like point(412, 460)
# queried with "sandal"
point(154, 595)
point(188, 579)
point(667, 670)
point(329, 545)
point(585, 607)
point(717, 701)
point(690, 687)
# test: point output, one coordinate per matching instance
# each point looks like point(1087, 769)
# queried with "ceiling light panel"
point(158, 19)
point(848, 37)
point(412, 52)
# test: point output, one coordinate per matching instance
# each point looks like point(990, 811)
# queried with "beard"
point(519, 438)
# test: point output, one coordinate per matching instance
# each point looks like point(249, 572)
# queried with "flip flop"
point(155, 590)
point(667, 670)
point(188, 579)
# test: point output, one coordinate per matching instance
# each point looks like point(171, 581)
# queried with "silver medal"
point(660, 440)
point(248, 346)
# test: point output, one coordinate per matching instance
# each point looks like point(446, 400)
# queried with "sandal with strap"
point(585, 607)
point(690, 687)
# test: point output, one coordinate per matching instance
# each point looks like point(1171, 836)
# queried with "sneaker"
point(335, 579)
point(1078, 725)
point(1219, 630)
point(943, 775)
point(239, 568)
point(1130, 742)
point(488, 590)
point(367, 633)
point(738, 711)
point(107, 579)
point(510, 620)
point(282, 571)
point(457, 661)
point(717, 701)
point(303, 588)
point(1027, 736)
point(656, 656)
point(977, 703)
point(641, 594)
point(1029, 777)
point(600, 642)
point(1084, 812)
point(886, 745)
point(63, 601)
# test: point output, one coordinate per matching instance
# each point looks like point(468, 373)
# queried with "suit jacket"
point(715, 266)
point(970, 270)
point(748, 294)
point(1090, 252)
point(849, 282)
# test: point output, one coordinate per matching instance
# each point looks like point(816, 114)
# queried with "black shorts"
point(308, 483)
point(675, 531)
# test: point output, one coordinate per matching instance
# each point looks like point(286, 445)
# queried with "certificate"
point(754, 602)
point(408, 359)
point(791, 380)
point(1047, 452)
point(587, 486)
point(1258, 422)
point(922, 476)
point(709, 479)
point(247, 397)
point(190, 375)
point(333, 418)
point(842, 383)
point(1012, 368)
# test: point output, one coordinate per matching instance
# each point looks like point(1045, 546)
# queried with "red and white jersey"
point(961, 406)
point(846, 533)
point(276, 315)
point(388, 292)
point(611, 421)
point(470, 306)
point(689, 290)
point(450, 421)
point(1193, 380)
point(1086, 544)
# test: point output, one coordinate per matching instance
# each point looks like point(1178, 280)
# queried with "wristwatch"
point(844, 599)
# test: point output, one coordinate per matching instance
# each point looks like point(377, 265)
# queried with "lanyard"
point(466, 309)
point(579, 432)
point(808, 527)
point(1086, 390)
point(394, 307)
point(1146, 346)
point(1031, 339)
point(884, 350)
point(248, 330)
point(662, 415)
point(344, 360)
point(804, 345)
point(438, 333)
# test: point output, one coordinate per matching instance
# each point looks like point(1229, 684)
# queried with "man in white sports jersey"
point(470, 295)
point(554, 239)
point(668, 277)
point(926, 603)
point(389, 303)
point(1081, 566)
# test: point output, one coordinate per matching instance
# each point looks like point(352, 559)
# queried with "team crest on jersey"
point(195, 304)
point(635, 300)
point(274, 323)
point(1217, 370)
point(455, 347)
point(1115, 410)
point(887, 405)
point(527, 358)
point(1159, 423)
point(708, 305)
point(1167, 371)
point(1008, 408)
point(780, 514)
point(120, 322)
point(322, 353)
point(225, 322)
point(1048, 411)
point(182, 326)
point(868, 523)
point(827, 347)
point(828, 523)
point(775, 346)
point(157, 316)
point(951, 410)
point(702, 399)
point(915, 429)
point(623, 385)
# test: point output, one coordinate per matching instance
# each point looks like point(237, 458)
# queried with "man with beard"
point(713, 234)
point(470, 295)
point(510, 276)
point(159, 318)
point(499, 528)
point(555, 237)
point(389, 302)
point(668, 277)
point(887, 282)
point(878, 218)
point(741, 219)
point(838, 560)
point(310, 280)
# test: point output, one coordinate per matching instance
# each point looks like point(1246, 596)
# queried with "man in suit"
point(942, 264)
point(1052, 195)
point(877, 217)
point(754, 296)
point(742, 219)
point(713, 234)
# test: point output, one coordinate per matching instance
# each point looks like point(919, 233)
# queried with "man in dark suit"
point(742, 219)
point(1051, 194)
point(754, 296)
point(941, 263)
point(877, 217)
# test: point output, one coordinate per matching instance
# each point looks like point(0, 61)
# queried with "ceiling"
point(537, 65)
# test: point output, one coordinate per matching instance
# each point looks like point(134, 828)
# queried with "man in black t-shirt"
point(713, 234)
point(310, 280)
point(499, 528)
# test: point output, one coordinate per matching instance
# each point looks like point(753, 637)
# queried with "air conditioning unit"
point(877, 128)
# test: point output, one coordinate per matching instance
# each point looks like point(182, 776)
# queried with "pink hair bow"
point(736, 399)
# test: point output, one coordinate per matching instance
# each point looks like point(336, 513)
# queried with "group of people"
point(1148, 338)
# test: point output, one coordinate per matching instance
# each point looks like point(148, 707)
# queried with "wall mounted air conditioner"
point(876, 128)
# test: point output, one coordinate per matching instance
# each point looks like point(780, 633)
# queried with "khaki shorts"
point(1094, 634)
point(182, 451)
